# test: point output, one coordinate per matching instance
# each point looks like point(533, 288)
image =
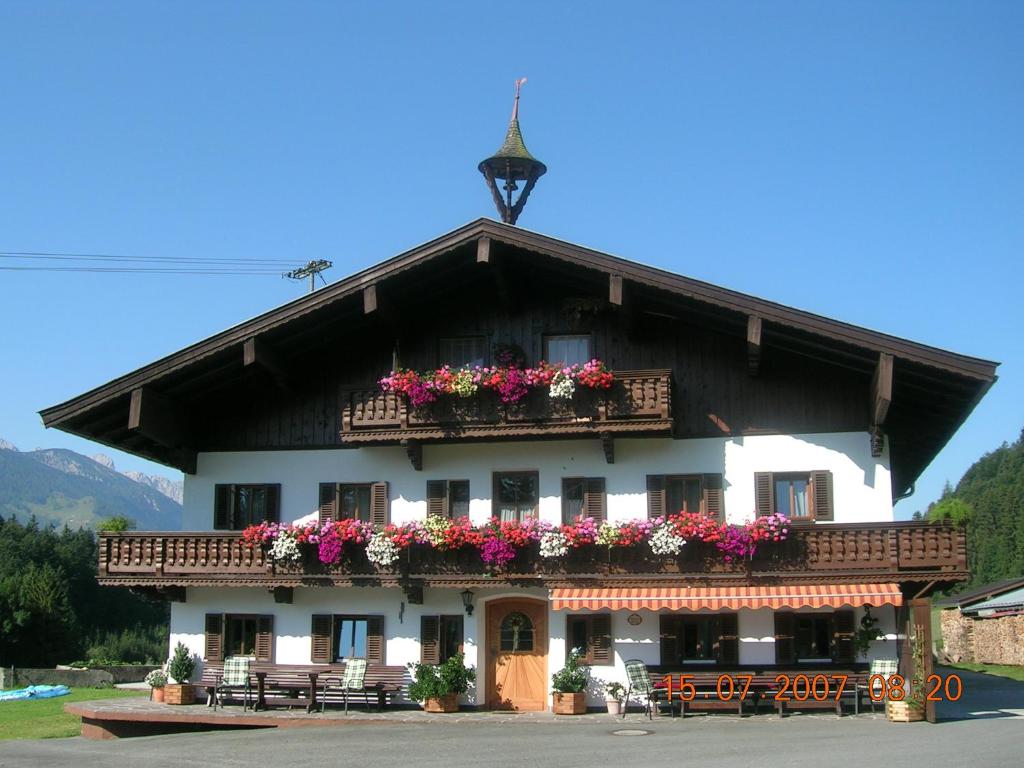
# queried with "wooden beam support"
point(608, 446)
point(881, 389)
point(615, 290)
point(370, 299)
point(413, 590)
point(483, 250)
point(258, 353)
point(283, 594)
point(414, 450)
point(753, 345)
point(158, 418)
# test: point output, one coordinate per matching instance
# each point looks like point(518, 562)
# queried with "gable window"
point(593, 634)
point(448, 498)
point(699, 638)
point(234, 634)
point(236, 507)
point(516, 495)
point(672, 494)
point(359, 501)
point(568, 349)
point(462, 351)
point(583, 497)
point(440, 638)
point(341, 637)
point(800, 496)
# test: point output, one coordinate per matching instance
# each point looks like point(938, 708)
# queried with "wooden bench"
point(297, 684)
point(710, 691)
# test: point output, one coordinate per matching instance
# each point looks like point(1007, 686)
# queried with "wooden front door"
point(517, 654)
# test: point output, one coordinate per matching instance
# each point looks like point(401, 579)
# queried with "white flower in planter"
point(382, 551)
point(553, 544)
point(285, 549)
point(562, 387)
point(664, 542)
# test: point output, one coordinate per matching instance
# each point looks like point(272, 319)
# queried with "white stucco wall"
point(861, 484)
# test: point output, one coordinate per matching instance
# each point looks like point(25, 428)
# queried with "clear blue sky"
point(759, 146)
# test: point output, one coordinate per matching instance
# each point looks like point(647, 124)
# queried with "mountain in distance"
point(61, 486)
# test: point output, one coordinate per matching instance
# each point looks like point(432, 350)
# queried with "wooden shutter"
point(328, 502)
point(842, 637)
point(729, 639)
point(273, 503)
point(764, 493)
point(322, 640)
point(785, 648)
point(669, 641)
point(265, 639)
point(594, 499)
point(223, 495)
point(214, 650)
point(379, 504)
point(375, 637)
point(430, 640)
point(655, 496)
point(437, 502)
point(601, 639)
point(714, 497)
point(821, 485)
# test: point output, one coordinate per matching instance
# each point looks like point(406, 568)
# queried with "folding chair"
point(639, 682)
point(235, 676)
point(884, 667)
point(352, 681)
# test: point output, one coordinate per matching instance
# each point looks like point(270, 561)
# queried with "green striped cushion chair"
point(234, 678)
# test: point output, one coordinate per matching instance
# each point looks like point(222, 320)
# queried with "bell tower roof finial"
point(512, 163)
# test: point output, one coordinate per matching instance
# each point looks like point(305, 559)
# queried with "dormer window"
point(568, 349)
point(463, 351)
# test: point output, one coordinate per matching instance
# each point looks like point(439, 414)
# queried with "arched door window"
point(516, 633)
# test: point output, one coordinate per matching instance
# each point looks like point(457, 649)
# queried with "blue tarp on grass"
point(35, 692)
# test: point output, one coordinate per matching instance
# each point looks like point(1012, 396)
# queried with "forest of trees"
point(990, 499)
point(52, 611)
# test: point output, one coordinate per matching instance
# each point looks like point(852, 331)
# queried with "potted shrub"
point(180, 669)
point(569, 683)
point(614, 693)
point(439, 686)
point(156, 681)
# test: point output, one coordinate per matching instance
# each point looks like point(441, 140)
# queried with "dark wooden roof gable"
point(200, 361)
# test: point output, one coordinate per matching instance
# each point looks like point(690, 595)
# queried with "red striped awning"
point(732, 598)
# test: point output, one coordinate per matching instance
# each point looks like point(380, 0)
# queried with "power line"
point(143, 270)
point(29, 256)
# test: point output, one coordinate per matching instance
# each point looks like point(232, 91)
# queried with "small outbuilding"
point(985, 625)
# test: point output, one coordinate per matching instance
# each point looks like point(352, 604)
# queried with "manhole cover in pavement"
point(631, 732)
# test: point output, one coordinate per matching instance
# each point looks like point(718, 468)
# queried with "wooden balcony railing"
point(638, 402)
point(916, 552)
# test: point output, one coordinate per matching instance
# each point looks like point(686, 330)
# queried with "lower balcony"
point(920, 556)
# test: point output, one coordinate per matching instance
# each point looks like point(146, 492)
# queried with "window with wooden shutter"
point(842, 637)
point(214, 647)
point(785, 650)
point(379, 504)
point(430, 640)
point(764, 493)
point(592, 633)
point(222, 497)
point(655, 496)
point(669, 641)
point(265, 639)
point(375, 639)
point(322, 640)
point(714, 497)
point(595, 503)
point(821, 485)
point(437, 504)
point(273, 503)
point(729, 639)
point(328, 502)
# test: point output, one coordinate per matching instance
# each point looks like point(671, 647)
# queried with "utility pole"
point(311, 270)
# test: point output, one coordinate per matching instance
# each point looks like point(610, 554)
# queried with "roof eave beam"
point(257, 353)
point(753, 345)
point(881, 399)
point(161, 420)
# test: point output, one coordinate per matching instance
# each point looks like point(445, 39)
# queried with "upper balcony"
point(639, 402)
point(911, 552)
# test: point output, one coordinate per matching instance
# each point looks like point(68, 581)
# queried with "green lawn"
point(1002, 670)
point(45, 718)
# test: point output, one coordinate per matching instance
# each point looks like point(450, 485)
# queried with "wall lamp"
point(467, 601)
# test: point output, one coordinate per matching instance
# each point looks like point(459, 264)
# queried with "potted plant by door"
point(439, 686)
point(180, 669)
point(614, 693)
point(569, 683)
point(911, 708)
point(156, 681)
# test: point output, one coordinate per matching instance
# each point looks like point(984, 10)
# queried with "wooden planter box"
point(903, 712)
point(449, 703)
point(569, 703)
point(180, 694)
